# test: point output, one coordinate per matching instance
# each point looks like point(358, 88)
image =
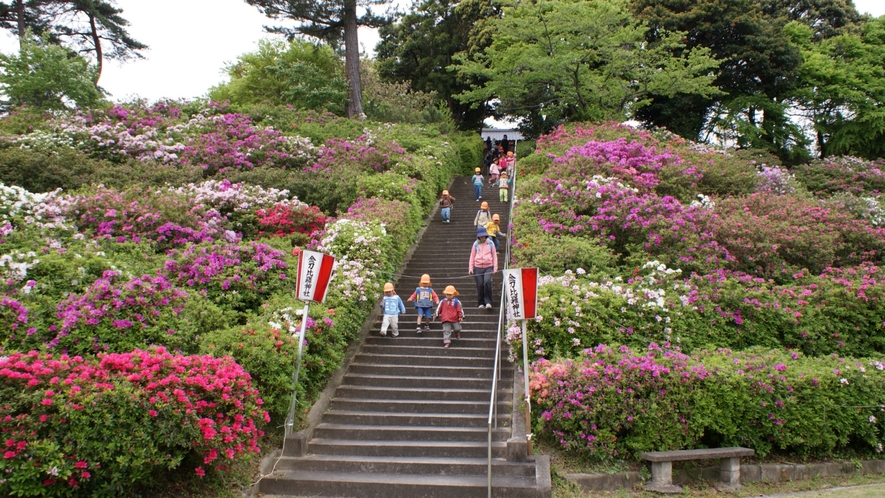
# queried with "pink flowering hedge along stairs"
point(409, 418)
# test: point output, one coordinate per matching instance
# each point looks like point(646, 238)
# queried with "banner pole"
point(528, 403)
point(290, 419)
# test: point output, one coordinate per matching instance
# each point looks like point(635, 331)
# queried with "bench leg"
point(662, 478)
point(729, 474)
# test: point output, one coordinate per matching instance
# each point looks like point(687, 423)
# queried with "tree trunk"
point(99, 56)
point(20, 13)
point(352, 61)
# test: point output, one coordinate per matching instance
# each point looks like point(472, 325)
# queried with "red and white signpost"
point(314, 275)
point(521, 297)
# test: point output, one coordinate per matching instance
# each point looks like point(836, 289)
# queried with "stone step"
point(414, 393)
point(433, 339)
point(378, 447)
point(410, 406)
point(407, 433)
point(439, 360)
point(418, 419)
point(394, 485)
point(419, 371)
point(405, 465)
point(389, 381)
point(397, 348)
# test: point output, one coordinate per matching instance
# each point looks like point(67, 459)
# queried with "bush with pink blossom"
point(118, 423)
point(611, 402)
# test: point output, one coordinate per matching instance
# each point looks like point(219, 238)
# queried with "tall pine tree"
point(333, 21)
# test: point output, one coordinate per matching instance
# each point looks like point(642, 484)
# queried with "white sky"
point(192, 40)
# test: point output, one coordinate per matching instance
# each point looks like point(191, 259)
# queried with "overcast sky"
point(192, 40)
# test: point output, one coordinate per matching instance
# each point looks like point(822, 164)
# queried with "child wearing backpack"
point(446, 203)
point(451, 314)
point(483, 216)
point(494, 229)
point(483, 264)
point(393, 306)
point(477, 180)
point(503, 185)
point(424, 298)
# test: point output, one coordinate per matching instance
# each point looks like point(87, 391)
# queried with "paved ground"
point(868, 491)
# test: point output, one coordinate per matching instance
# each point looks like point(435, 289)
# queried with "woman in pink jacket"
point(483, 264)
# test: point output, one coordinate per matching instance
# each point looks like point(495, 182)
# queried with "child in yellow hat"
point(483, 216)
point(494, 229)
point(424, 297)
point(393, 306)
point(477, 180)
point(451, 314)
point(446, 203)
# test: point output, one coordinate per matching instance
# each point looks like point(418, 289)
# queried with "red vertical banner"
point(530, 292)
point(314, 274)
point(521, 292)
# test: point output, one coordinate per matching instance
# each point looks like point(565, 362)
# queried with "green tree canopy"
point(94, 28)
point(299, 73)
point(422, 44)
point(46, 76)
point(842, 88)
point(555, 60)
point(332, 21)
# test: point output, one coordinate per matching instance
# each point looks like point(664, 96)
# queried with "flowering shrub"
point(230, 141)
point(237, 276)
point(286, 219)
point(842, 174)
point(113, 424)
point(116, 316)
point(143, 215)
point(610, 402)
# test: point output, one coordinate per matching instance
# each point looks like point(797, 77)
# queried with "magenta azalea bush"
point(662, 241)
point(118, 315)
point(612, 402)
point(120, 421)
point(237, 276)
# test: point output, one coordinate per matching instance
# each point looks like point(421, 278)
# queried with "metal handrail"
point(502, 317)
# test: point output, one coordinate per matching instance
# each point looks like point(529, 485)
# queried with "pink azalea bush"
point(117, 314)
point(238, 276)
point(118, 422)
point(699, 248)
point(612, 402)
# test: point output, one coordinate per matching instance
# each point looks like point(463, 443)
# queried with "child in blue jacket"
point(393, 306)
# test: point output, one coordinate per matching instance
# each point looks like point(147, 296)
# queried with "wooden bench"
point(662, 466)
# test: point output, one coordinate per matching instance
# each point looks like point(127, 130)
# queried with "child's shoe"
point(457, 335)
point(445, 344)
point(418, 329)
point(426, 326)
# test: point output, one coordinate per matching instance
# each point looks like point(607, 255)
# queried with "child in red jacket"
point(450, 314)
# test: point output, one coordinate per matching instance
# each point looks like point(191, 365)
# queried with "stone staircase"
point(406, 418)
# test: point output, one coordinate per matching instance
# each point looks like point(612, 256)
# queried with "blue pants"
point(446, 213)
point(495, 240)
point(477, 189)
point(483, 277)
